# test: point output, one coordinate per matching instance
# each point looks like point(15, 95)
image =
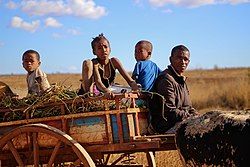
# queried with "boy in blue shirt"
point(145, 71)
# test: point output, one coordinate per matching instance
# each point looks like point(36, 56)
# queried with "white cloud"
point(74, 31)
point(86, 8)
point(194, 3)
point(11, 5)
point(51, 22)
point(18, 22)
point(80, 8)
point(44, 7)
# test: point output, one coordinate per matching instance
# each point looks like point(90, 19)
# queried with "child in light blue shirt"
point(145, 71)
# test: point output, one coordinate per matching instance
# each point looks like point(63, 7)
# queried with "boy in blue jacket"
point(145, 71)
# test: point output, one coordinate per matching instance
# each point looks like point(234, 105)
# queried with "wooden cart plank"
point(125, 147)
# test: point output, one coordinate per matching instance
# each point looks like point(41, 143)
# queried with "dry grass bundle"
point(49, 104)
point(35, 105)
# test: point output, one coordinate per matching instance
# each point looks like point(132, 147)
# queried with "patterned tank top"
point(107, 81)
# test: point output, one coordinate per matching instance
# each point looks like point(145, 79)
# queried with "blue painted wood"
point(125, 128)
point(90, 129)
point(87, 121)
point(114, 129)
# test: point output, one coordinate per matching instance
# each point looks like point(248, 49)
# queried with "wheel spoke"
point(151, 159)
point(54, 153)
point(35, 149)
point(107, 159)
point(15, 153)
point(119, 159)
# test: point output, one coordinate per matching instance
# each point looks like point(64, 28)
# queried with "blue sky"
point(217, 32)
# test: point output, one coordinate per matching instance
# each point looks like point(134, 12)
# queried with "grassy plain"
point(226, 89)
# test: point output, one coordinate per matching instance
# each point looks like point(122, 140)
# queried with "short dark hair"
point(148, 45)
point(177, 48)
point(30, 52)
point(97, 39)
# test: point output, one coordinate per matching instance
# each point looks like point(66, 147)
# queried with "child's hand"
point(15, 96)
point(194, 112)
point(134, 86)
point(109, 95)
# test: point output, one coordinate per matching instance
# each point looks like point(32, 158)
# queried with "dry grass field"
point(220, 89)
point(225, 89)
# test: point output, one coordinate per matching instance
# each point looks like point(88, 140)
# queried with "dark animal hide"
point(215, 139)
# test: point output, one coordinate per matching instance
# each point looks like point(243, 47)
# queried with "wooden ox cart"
point(81, 138)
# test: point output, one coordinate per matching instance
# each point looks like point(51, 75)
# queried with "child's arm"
point(117, 64)
point(41, 81)
point(136, 72)
point(87, 73)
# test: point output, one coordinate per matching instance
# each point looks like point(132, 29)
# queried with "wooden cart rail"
point(121, 130)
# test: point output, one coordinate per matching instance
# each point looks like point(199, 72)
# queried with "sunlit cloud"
point(194, 3)
point(86, 8)
point(79, 8)
point(17, 22)
point(51, 22)
point(44, 7)
point(11, 5)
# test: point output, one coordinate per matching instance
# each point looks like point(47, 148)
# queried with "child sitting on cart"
point(145, 71)
point(37, 81)
point(100, 71)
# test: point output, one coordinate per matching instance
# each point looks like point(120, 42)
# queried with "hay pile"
point(49, 104)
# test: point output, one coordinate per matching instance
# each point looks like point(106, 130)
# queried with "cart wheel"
point(151, 159)
point(53, 156)
point(145, 159)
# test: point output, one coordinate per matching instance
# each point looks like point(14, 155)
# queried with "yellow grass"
point(222, 88)
point(209, 89)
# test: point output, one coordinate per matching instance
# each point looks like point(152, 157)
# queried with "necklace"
point(105, 76)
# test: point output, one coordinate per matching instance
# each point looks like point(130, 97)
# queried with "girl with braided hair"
point(101, 71)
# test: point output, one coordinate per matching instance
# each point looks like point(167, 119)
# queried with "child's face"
point(141, 53)
point(102, 49)
point(30, 62)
